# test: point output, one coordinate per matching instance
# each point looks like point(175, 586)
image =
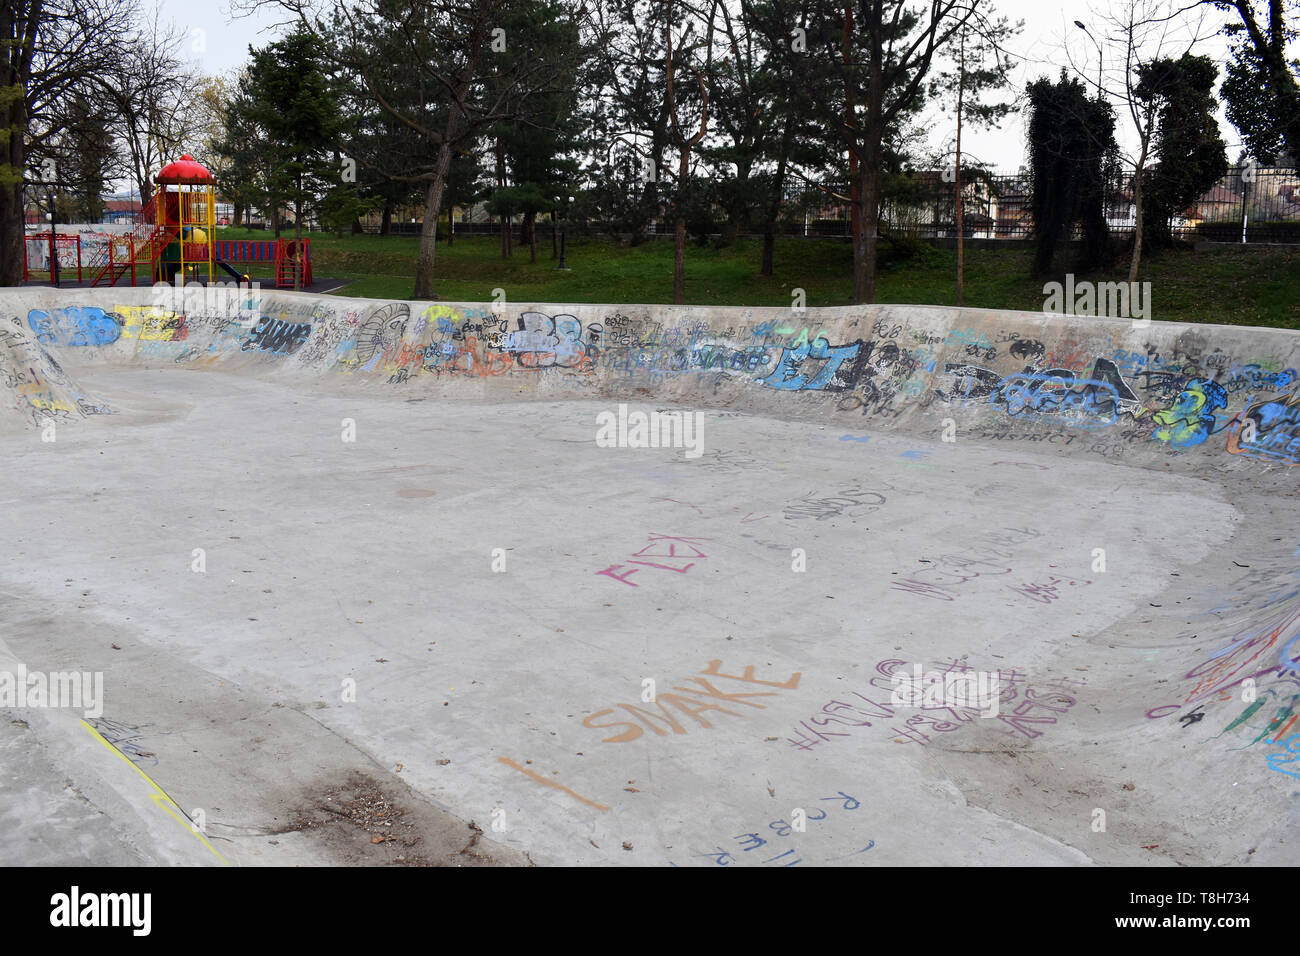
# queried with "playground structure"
point(173, 236)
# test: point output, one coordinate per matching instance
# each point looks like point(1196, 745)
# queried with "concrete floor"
point(501, 716)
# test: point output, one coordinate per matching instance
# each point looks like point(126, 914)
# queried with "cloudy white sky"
point(1049, 41)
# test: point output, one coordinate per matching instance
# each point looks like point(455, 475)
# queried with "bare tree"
point(155, 96)
point(1137, 33)
point(981, 66)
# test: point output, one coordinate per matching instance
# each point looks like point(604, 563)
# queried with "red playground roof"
point(185, 171)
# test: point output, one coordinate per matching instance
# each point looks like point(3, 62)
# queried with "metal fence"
point(1249, 204)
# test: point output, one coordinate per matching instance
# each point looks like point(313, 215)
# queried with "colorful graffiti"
point(1100, 398)
point(1190, 419)
point(1275, 425)
point(381, 333)
point(1250, 678)
point(819, 360)
point(151, 323)
point(75, 326)
point(1282, 763)
point(541, 341)
point(1007, 384)
point(41, 391)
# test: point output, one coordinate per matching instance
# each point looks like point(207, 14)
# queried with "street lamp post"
point(54, 244)
point(1080, 25)
point(564, 265)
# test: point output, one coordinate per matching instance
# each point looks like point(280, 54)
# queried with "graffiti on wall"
point(1190, 420)
point(277, 336)
point(1248, 682)
point(1276, 427)
point(75, 326)
point(1178, 395)
point(41, 390)
point(1100, 398)
point(152, 324)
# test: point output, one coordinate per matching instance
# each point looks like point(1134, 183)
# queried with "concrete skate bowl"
point(311, 538)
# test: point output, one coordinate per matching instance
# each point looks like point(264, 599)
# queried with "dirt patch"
point(365, 825)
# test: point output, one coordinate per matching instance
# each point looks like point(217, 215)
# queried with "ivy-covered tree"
point(1071, 144)
point(1190, 153)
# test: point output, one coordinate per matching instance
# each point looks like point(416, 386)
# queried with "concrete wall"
point(1185, 397)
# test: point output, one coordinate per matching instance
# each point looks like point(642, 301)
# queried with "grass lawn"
point(1252, 286)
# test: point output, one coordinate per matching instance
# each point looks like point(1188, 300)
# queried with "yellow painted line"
point(159, 794)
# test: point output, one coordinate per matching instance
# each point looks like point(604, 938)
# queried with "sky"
point(1049, 41)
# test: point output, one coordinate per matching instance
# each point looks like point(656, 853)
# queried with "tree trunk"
point(774, 207)
point(865, 240)
point(679, 261)
point(12, 162)
point(555, 237)
point(429, 225)
point(1139, 219)
point(386, 219)
point(297, 238)
point(532, 237)
point(679, 237)
point(850, 121)
point(11, 202)
point(451, 223)
point(18, 29)
point(501, 182)
point(11, 234)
